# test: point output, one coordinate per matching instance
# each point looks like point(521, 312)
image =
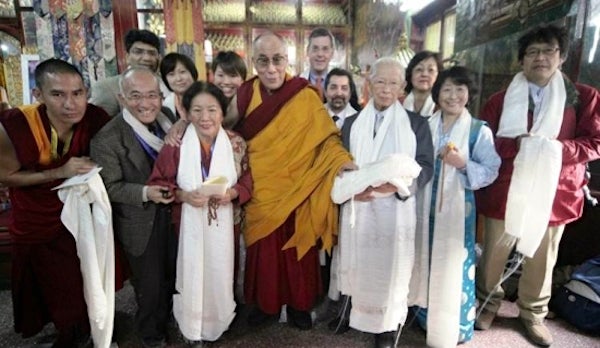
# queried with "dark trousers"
point(47, 287)
point(153, 278)
point(326, 273)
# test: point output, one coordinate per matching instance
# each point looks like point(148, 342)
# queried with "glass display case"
point(219, 11)
point(226, 39)
point(279, 12)
point(234, 24)
point(325, 13)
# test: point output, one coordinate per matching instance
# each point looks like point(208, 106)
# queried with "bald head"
point(268, 37)
point(135, 73)
point(140, 94)
point(269, 56)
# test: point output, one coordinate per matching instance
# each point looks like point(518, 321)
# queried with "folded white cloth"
point(398, 169)
point(87, 215)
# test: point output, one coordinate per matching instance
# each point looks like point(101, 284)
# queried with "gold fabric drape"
point(185, 27)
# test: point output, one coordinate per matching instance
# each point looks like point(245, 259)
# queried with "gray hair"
point(132, 70)
point(387, 61)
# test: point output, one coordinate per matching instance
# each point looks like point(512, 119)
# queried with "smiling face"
point(270, 61)
point(338, 92)
point(453, 98)
point(65, 97)
point(141, 95)
point(386, 85)
point(142, 54)
point(540, 61)
point(179, 79)
point(320, 52)
point(424, 75)
point(206, 115)
point(226, 82)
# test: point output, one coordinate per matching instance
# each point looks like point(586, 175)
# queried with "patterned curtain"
point(184, 28)
point(80, 32)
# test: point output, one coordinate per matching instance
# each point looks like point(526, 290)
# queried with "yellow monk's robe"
point(294, 160)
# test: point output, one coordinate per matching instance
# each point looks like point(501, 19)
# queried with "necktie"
point(378, 122)
point(335, 118)
point(156, 130)
point(319, 85)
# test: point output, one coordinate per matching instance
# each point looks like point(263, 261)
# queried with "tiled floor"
point(506, 332)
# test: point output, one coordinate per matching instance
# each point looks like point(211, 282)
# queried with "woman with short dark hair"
point(178, 72)
point(443, 278)
point(421, 74)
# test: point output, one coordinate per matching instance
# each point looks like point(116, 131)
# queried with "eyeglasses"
point(138, 97)
point(381, 84)
point(264, 62)
point(140, 51)
point(546, 52)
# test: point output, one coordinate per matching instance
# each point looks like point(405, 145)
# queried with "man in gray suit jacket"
point(126, 149)
point(143, 50)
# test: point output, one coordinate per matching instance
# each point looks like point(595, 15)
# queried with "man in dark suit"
point(126, 149)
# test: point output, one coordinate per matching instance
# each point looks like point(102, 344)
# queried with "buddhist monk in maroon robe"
point(41, 145)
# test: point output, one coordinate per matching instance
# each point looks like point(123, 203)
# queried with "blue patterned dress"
point(482, 151)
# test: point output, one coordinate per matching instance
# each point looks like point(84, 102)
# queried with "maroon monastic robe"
point(46, 278)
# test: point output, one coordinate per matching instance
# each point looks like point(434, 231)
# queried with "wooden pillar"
point(125, 18)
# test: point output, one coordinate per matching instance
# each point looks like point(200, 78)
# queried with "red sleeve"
point(506, 147)
point(244, 186)
point(164, 172)
point(98, 117)
point(585, 146)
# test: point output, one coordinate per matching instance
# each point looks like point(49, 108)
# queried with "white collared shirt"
point(348, 111)
point(537, 95)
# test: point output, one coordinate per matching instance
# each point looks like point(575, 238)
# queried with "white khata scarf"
point(427, 109)
point(537, 164)
point(448, 251)
point(204, 306)
point(395, 122)
point(87, 214)
point(142, 131)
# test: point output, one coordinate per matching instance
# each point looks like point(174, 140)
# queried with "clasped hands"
point(367, 194)
point(196, 199)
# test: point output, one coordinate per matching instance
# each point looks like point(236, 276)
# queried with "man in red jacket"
point(541, 112)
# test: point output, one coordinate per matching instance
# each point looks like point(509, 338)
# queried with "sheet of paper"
point(214, 186)
point(79, 179)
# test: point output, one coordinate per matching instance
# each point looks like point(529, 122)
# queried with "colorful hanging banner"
point(77, 39)
point(184, 25)
point(57, 7)
point(74, 8)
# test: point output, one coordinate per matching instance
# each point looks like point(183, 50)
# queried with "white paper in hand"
point(214, 186)
point(79, 179)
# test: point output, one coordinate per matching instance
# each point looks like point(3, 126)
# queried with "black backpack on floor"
point(578, 301)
